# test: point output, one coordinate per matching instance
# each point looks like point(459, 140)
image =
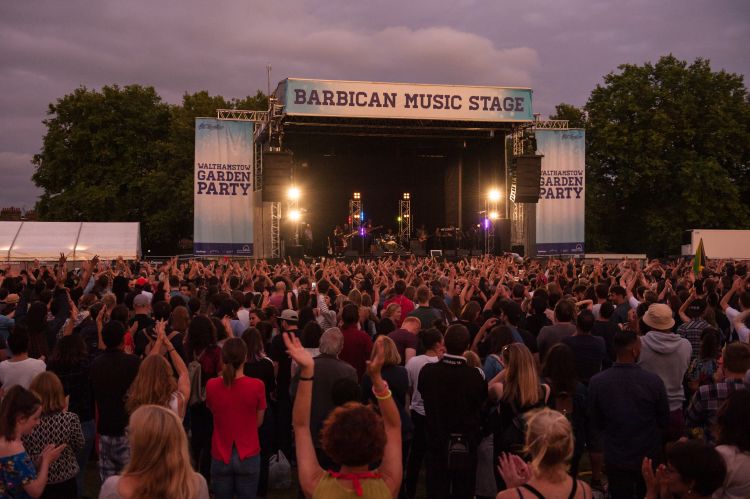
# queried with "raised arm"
point(310, 471)
point(391, 468)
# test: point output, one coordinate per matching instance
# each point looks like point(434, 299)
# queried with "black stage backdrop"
point(330, 168)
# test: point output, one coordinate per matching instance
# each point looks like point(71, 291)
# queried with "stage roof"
point(28, 241)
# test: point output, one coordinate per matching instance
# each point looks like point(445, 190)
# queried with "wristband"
point(384, 397)
point(385, 390)
point(302, 378)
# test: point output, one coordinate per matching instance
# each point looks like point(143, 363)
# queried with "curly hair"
point(353, 435)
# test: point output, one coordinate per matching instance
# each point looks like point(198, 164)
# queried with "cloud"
point(18, 189)
point(560, 49)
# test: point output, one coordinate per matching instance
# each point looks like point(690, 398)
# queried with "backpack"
point(197, 388)
point(512, 434)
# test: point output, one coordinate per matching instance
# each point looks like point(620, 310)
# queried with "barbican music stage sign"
point(363, 99)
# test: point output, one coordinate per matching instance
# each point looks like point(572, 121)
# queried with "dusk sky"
point(560, 48)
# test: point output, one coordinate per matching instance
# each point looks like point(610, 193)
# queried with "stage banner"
point(223, 187)
point(364, 99)
point(560, 213)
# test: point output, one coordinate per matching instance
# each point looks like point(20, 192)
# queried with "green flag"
point(699, 260)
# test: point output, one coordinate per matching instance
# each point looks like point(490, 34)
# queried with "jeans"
point(83, 455)
point(239, 478)
point(114, 454)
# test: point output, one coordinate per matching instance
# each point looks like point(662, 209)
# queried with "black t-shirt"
point(76, 384)
point(111, 375)
point(263, 370)
point(606, 330)
point(278, 354)
point(590, 352)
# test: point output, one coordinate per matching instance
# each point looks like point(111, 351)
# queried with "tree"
point(668, 149)
point(575, 116)
point(124, 155)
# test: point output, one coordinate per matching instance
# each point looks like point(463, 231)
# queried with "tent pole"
point(13, 243)
point(75, 245)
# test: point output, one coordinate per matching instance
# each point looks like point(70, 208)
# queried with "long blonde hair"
point(154, 384)
point(159, 458)
point(521, 381)
point(549, 439)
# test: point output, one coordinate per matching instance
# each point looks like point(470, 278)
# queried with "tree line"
point(667, 149)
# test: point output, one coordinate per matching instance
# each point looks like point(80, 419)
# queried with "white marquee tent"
point(44, 241)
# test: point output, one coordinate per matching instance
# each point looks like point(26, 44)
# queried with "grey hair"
point(332, 342)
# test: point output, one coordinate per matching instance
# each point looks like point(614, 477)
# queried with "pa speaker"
point(295, 251)
point(528, 178)
point(277, 175)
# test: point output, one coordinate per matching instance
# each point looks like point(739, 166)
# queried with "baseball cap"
point(141, 281)
point(289, 315)
point(141, 300)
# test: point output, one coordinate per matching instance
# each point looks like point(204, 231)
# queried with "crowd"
point(496, 376)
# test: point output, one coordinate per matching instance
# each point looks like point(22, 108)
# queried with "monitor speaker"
point(528, 178)
point(277, 175)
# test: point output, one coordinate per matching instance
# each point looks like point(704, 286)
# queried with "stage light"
point(293, 193)
point(294, 215)
point(493, 195)
point(486, 223)
point(407, 196)
point(398, 219)
point(406, 216)
point(494, 215)
point(357, 195)
point(361, 215)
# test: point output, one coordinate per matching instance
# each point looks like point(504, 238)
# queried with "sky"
point(560, 48)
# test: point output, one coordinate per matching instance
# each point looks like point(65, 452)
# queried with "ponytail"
point(233, 354)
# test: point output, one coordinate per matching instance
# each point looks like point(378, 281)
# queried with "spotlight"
point(357, 195)
point(294, 215)
point(407, 196)
point(398, 219)
point(293, 193)
point(494, 215)
point(493, 195)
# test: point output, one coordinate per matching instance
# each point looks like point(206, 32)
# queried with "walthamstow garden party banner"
point(560, 214)
point(223, 187)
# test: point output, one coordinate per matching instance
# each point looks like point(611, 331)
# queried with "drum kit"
point(389, 244)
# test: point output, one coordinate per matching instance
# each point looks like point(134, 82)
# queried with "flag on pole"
point(699, 260)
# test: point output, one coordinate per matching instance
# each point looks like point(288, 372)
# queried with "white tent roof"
point(26, 241)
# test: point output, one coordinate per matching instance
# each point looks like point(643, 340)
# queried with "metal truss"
point(519, 133)
point(355, 214)
point(242, 115)
point(404, 220)
point(257, 165)
point(276, 230)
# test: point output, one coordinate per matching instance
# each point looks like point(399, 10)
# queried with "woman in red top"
point(238, 403)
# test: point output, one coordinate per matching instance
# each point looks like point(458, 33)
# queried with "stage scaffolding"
point(404, 220)
point(523, 215)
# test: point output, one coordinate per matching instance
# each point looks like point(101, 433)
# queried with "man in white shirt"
point(737, 317)
point(19, 369)
point(433, 343)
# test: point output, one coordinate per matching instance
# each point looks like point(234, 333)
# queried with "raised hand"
point(513, 469)
point(297, 352)
point(375, 364)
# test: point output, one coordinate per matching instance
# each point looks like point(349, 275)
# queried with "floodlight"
point(407, 196)
point(493, 195)
point(293, 193)
point(494, 215)
point(357, 195)
point(295, 215)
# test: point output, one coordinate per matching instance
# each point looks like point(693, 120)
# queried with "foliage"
point(668, 149)
point(122, 154)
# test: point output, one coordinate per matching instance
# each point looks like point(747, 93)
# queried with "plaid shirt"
point(691, 331)
point(701, 414)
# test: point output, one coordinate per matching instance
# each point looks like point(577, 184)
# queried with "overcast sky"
point(561, 48)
